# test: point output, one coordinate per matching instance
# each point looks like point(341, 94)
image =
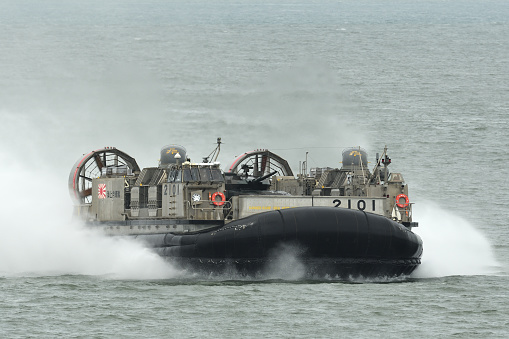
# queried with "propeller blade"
point(86, 193)
point(264, 163)
point(98, 161)
point(256, 170)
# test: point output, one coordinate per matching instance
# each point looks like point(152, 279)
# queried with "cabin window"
point(171, 175)
point(216, 174)
point(186, 175)
point(195, 174)
point(178, 176)
point(174, 175)
point(205, 174)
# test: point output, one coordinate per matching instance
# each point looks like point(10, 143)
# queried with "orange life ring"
point(218, 203)
point(402, 205)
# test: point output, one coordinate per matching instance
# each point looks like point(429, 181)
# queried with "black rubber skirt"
point(327, 241)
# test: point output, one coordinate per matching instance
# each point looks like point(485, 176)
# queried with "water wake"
point(39, 238)
point(286, 264)
point(452, 246)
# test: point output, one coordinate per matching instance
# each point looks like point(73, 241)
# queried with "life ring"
point(402, 205)
point(218, 203)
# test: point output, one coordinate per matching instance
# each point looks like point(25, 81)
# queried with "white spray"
point(38, 237)
point(285, 263)
point(452, 246)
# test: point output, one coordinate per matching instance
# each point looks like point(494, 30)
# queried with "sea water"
point(430, 80)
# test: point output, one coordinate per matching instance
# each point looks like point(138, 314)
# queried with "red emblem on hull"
point(101, 190)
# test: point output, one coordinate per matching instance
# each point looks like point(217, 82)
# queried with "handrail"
point(194, 206)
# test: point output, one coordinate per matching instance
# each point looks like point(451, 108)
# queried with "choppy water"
point(430, 80)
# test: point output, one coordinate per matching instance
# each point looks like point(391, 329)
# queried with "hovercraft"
point(345, 222)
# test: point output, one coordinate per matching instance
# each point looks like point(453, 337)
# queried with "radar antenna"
point(215, 153)
point(385, 160)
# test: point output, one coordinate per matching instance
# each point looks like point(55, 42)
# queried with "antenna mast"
point(215, 153)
